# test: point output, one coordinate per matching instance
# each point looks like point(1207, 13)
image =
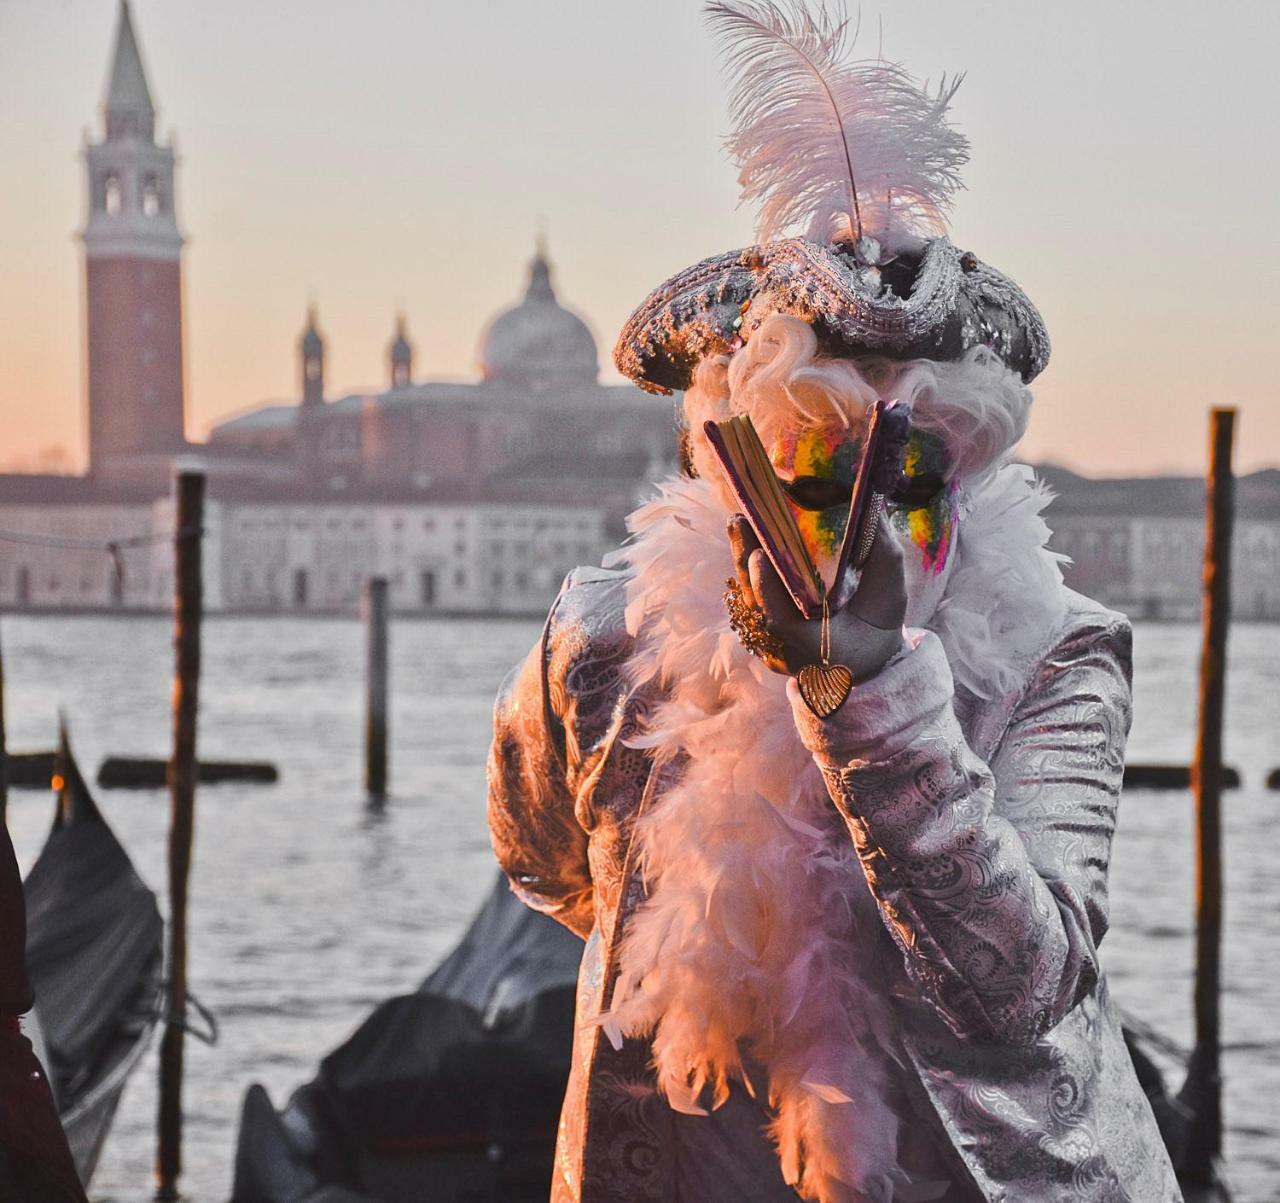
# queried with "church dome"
point(538, 343)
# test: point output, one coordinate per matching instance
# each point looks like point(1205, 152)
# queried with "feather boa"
point(759, 930)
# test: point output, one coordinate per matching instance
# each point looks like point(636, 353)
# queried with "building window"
point(300, 588)
point(111, 194)
point(427, 583)
point(151, 205)
point(497, 578)
point(459, 579)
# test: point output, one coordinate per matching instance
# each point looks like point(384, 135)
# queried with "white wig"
point(977, 404)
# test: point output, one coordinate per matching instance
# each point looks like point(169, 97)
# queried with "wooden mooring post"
point(188, 604)
point(4, 750)
point(376, 672)
point(1204, 1141)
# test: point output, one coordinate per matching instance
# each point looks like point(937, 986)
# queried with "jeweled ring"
point(750, 624)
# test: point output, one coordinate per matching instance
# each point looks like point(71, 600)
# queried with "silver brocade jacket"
point(984, 827)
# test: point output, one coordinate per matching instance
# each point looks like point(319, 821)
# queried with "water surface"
point(307, 908)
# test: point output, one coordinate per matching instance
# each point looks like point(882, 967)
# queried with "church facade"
point(538, 426)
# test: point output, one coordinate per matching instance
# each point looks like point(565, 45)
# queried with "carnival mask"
point(817, 466)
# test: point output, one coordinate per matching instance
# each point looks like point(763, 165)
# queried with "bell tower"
point(400, 356)
point(311, 361)
point(133, 291)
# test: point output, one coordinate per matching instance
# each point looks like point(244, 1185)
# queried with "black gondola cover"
point(441, 1093)
point(94, 955)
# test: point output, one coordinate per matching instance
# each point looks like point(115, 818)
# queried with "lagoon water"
point(308, 909)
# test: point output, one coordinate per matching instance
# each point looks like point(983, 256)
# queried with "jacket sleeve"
point(991, 878)
point(538, 841)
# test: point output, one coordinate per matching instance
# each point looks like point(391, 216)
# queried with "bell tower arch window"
point(152, 201)
point(111, 195)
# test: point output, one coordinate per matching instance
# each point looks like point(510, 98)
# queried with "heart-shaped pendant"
point(824, 687)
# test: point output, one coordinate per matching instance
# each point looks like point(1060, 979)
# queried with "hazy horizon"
point(404, 156)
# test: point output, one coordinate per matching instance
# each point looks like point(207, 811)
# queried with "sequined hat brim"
point(952, 302)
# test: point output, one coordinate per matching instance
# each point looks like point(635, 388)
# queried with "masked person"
point(855, 957)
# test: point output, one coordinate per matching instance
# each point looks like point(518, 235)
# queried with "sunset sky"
point(404, 153)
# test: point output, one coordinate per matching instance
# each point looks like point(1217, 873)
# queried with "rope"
point(1153, 1036)
point(111, 547)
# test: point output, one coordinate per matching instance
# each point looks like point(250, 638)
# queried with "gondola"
point(447, 1094)
point(95, 958)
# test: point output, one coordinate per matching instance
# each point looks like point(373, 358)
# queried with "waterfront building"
point(66, 546)
point(63, 547)
point(307, 553)
point(1138, 544)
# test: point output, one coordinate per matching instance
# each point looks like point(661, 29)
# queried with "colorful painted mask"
point(819, 464)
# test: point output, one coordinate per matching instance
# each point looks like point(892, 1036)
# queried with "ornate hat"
point(865, 157)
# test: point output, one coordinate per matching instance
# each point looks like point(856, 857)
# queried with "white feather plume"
point(830, 146)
